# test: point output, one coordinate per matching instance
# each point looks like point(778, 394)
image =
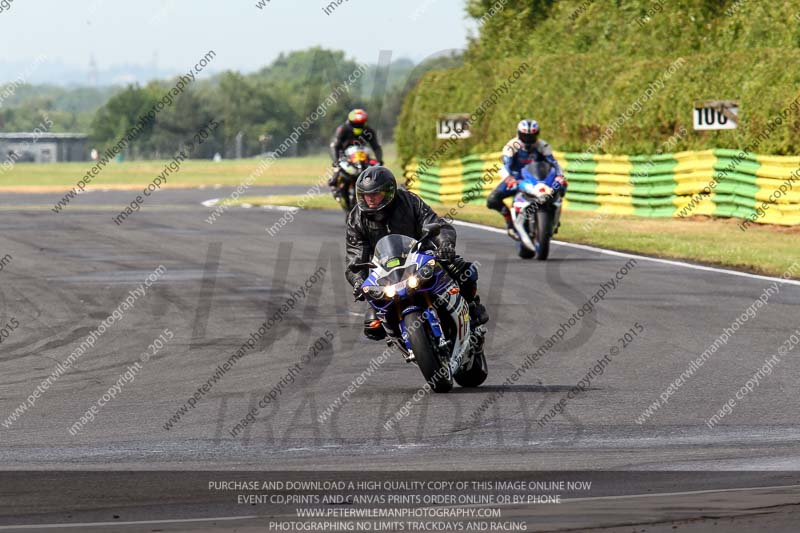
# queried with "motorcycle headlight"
point(413, 282)
point(389, 291)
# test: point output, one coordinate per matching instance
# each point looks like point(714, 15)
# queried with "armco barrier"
point(722, 182)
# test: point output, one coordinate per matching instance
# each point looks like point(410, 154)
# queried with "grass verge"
point(31, 177)
point(764, 249)
point(55, 177)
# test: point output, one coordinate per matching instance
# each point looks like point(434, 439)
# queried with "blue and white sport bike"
point(423, 312)
point(536, 211)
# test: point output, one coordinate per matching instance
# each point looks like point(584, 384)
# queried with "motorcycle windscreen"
point(539, 171)
point(392, 250)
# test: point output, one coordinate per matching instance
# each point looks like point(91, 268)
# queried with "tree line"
point(255, 111)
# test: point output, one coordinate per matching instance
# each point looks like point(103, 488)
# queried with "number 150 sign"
point(453, 127)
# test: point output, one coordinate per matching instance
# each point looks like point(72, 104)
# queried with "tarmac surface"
point(221, 282)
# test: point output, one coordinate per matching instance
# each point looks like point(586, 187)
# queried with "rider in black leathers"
point(382, 209)
point(354, 131)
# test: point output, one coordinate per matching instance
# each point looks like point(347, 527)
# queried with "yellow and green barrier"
point(721, 182)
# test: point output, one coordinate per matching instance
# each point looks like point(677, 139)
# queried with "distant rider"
point(354, 131)
point(519, 152)
point(383, 209)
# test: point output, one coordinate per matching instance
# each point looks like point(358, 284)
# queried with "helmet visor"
point(375, 200)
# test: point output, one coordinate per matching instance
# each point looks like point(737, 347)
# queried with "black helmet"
point(374, 180)
point(528, 131)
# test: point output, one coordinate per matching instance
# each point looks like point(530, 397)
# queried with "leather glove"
point(358, 294)
point(562, 181)
point(447, 252)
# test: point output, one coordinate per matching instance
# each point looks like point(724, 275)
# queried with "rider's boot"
point(373, 328)
point(465, 274)
point(558, 213)
point(479, 334)
point(478, 312)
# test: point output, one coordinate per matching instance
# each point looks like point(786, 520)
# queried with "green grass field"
point(193, 173)
point(31, 177)
point(761, 249)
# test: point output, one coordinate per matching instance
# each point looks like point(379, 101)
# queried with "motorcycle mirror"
point(364, 265)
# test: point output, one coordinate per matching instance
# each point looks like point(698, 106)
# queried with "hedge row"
point(575, 97)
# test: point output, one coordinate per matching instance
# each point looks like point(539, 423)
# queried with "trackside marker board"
point(454, 126)
point(715, 115)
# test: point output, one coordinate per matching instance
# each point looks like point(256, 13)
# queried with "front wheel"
point(544, 230)
point(436, 373)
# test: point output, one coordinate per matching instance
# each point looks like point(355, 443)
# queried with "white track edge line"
point(642, 257)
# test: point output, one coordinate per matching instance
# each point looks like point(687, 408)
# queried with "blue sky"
point(170, 35)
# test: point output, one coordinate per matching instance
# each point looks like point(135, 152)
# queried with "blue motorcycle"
point(536, 210)
point(424, 315)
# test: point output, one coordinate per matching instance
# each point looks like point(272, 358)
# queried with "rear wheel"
point(476, 374)
point(544, 230)
point(436, 373)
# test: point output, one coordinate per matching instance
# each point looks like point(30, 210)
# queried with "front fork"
point(518, 220)
point(431, 317)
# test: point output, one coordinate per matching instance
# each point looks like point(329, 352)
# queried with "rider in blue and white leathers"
point(519, 152)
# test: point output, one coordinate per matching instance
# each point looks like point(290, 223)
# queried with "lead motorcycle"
point(536, 210)
point(353, 162)
point(424, 315)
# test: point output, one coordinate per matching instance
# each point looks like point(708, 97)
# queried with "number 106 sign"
point(719, 115)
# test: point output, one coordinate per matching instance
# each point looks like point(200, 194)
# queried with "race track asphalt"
point(69, 271)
